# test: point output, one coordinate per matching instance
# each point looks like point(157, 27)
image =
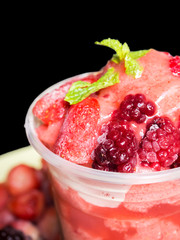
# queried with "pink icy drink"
point(114, 156)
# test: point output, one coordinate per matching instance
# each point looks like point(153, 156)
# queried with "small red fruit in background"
point(21, 179)
point(28, 206)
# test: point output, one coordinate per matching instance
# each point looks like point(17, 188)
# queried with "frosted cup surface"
point(101, 205)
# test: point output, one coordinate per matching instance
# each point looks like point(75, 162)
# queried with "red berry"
point(118, 151)
point(21, 179)
point(174, 64)
point(136, 108)
point(161, 144)
point(121, 156)
point(48, 133)
point(79, 132)
point(51, 107)
point(28, 206)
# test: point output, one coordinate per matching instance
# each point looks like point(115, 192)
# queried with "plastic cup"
point(99, 205)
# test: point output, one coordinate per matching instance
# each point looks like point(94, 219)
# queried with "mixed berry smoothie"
point(112, 143)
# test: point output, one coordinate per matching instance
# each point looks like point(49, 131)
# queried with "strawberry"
point(52, 107)
point(27, 206)
point(21, 179)
point(49, 133)
point(79, 132)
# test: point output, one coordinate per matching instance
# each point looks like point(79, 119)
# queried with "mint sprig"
point(138, 54)
point(120, 49)
point(132, 67)
point(81, 90)
point(123, 52)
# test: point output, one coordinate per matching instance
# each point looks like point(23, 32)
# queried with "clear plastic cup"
point(99, 205)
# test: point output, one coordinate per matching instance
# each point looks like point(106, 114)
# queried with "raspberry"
point(51, 107)
point(160, 145)
point(136, 108)
point(118, 151)
point(158, 149)
point(174, 64)
point(9, 232)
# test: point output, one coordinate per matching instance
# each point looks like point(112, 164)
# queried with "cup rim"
point(86, 172)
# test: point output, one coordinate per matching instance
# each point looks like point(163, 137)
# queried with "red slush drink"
point(112, 143)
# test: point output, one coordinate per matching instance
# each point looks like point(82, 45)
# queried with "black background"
point(46, 44)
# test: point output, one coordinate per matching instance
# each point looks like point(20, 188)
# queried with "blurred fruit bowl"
point(23, 181)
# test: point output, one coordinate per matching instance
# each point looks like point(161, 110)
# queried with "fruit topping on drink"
point(124, 118)
point(79, 131)
point(118, 152)
point(160, 145)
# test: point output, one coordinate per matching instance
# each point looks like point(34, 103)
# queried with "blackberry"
point(135, 108)
point(118, 151)
point(159, 148)
point(9, 233)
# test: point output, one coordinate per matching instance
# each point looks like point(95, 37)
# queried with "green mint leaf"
point(121, 50)
point(138, 54)
point(132, 67)
point(115, 58)
point(81, 90)
point(79, 84)
point(123, 53)
point(125, 50)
